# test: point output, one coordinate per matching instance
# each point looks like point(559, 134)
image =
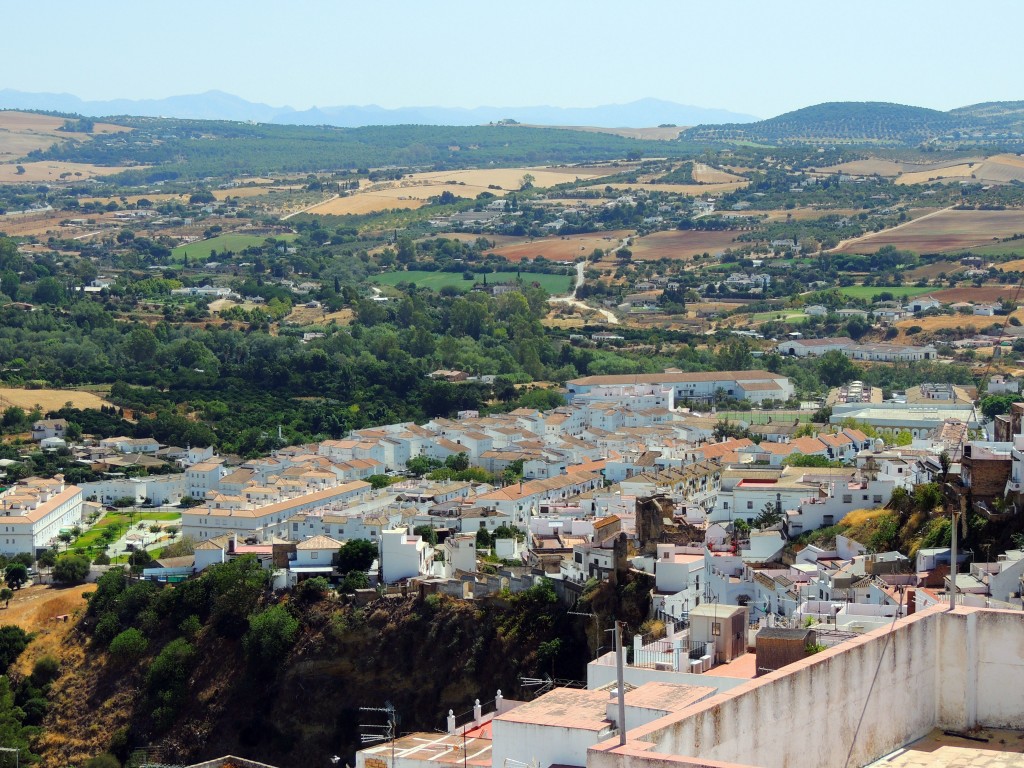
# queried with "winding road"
point(571, 299)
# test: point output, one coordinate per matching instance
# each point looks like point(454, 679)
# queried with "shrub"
point(102, 760)
point(128, 647)
point(190, 626)
point(70, 569)
point(166, 679)
point(354, 580)
point(12, 642)
point(312, 590)
point(271, 635)
point(45, 671)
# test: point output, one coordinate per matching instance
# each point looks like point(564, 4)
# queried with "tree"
point(427, 532)
point(17, 575)
point(71, 569)
point(458, 462)
point(945, 462)
point(379, 481)
point(483, 539)
point(6, 594)
point(128, 647)
point(48, 291)
point(271, 635)
point(354, 580)
point(903, 437)
point(420, 465)
point(770, 515)
point(803, 460)
point(356, 555)
point(47, 558)
point(835, 368)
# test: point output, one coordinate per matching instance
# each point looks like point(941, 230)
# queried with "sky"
point(759, 58)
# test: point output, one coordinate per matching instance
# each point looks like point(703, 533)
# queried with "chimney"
point(451, 722)
point(498, 701)
point(477, 714)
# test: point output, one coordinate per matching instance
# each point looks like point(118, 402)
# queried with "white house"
point(314, 556)
point(45, 428)
point(403, 555)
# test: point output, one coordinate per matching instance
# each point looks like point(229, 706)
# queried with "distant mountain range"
point(217, 105)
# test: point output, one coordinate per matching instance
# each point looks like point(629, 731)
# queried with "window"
point(865, 497)
point(314, 555)
point(295, 526)
point(750, 505)
point(877, 499)
point(716, 629)
point(847, 498)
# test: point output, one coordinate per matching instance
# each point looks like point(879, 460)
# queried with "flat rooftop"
point(436, 748)
point(587, 709)
point(943, 750)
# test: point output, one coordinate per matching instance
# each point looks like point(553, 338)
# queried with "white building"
point(403, 555)
point(34, 511)
point(756, 386)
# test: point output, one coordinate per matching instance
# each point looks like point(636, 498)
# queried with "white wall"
point(932, 670)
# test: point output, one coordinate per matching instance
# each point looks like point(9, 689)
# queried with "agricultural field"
point(873, 166)
point(22, 132)
point(974, 322)
point(985, 294)
point(693, 190)
point(652, 134)
point(681, 244)
point(48, 399)
point(899, 291)
point(956, 172)
point(553, 284)
point(233, 242)
point(806, 214)
point(52, 172)
point(1007, 248)
point(706, 174)
point(998, 169)
point(568, 248)
point(414, 190)
point(933, 270)
point(510, 179)
point(366, 202)
point(941, 231)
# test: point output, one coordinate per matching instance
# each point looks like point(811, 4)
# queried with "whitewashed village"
point(632, 475)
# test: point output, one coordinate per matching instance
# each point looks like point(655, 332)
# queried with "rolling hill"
point(877, 122)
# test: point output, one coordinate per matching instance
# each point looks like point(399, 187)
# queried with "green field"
point(899, 291)
point(199, 251)
point(119, 521)
point(765, 417)
point(786, 315)
point(553, 284)
point(1008, 248)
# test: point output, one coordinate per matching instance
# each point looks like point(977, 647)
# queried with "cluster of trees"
point(197, 149)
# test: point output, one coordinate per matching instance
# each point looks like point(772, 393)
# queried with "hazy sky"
point(762, 58)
